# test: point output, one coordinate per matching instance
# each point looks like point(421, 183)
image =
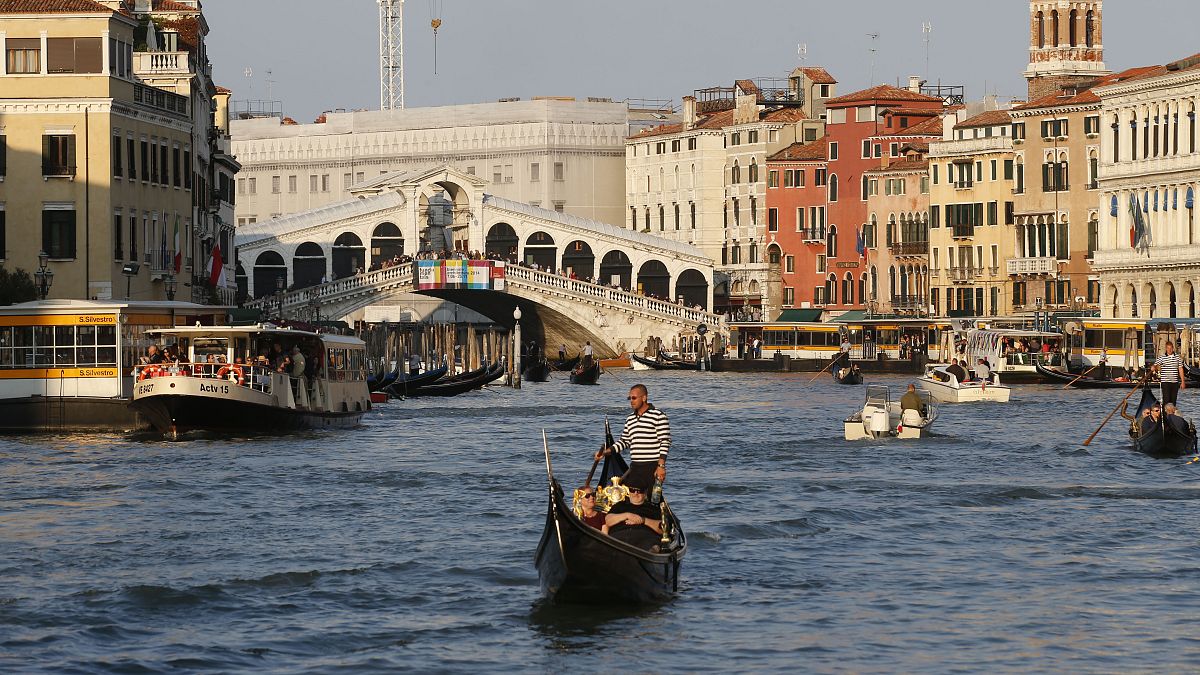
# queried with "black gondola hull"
point(578, 563)
point(1168, 438)
point(851, 376)
point(181, 414)
point(536, 372)
point(664, 363)
point(454, 388)
point(589, 375)
point(407, 383)
point(1077, 381)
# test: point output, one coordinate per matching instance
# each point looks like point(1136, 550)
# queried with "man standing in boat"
point(647, 436)
point(1170, 373)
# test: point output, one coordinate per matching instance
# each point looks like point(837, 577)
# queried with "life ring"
point(236, 369)
point(149, 371)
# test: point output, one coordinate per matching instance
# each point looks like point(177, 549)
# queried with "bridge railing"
point(613, 295)
point(403, 274)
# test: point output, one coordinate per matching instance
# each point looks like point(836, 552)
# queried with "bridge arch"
point(540, 250)
point(268, 267)
point(693, 288)
point(616, 265)
point(577, 257)
point(387, 242)
point(654, 279)
point(348, 255)
point(308, 265)
point(501, 241)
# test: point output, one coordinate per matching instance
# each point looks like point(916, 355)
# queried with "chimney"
point(914, 84)
point(141, 6)
point(689, 112)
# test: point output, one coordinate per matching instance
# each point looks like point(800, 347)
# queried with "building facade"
point(896, 238)
point(799, 217)
point(1149, 162)
point(972, 237)
point(562, 155)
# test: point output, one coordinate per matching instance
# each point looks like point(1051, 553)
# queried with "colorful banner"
point(458, 274)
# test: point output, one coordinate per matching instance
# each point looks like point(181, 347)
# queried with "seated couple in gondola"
point(1155, 415)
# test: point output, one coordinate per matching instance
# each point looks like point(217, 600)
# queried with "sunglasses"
point(588, 495)
point(637, 491)
point(634, 398)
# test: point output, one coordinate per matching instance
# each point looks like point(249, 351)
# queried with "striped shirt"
point(1168, 368)
point(646, 436)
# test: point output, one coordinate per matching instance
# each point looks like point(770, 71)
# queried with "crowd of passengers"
point(275, 358)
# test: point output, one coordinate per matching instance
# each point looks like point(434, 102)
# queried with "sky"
point(318, 55)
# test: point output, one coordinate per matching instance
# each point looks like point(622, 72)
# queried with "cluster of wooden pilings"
point(466, 345)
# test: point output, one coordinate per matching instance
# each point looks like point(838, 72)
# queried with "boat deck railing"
point(294, 392)
point(1028, 359)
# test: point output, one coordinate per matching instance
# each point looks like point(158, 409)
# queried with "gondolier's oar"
point(1114, 410)
point(1081, 376)
point(827, 366)
point(607, 435)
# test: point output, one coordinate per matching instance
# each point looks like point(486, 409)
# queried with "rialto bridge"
point(579, 279)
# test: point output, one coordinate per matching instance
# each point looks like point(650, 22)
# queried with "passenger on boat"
point(1171, 415)
point(1152, 414)
point(277, 355)
point(647, 436)
point(911, 406)
point(153, 356)
point(634, 520)
point(983, 372)
point(587, 506)
point(957, 371)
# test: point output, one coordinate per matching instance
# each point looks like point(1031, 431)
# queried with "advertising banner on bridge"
point(458, 274)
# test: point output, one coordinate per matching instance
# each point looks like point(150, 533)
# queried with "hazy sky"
point(323, 54)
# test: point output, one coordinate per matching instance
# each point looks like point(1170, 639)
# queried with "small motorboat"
point(622, 361)
point(1080, 381)
point(577, 562)
point(946, 388)
point(882, 417)
point(851, 374)
point(587, 372)
point(1169, 436)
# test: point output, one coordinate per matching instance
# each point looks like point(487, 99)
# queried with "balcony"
point(161, 63)
point(1033, 266)
point(813, 235)
point(910, 248)
point(909, 302)
point(965, 274)
point(158, 98)
point(963, 231)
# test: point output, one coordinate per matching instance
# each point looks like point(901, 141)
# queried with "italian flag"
point(216, 270)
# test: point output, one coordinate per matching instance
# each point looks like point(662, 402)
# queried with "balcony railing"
point(813, 235)
point(910, 248)
point(902, 302)
point(161, 99)
point(1033, 266)
point(964, 274)
point(964, 231)
point(161, 63)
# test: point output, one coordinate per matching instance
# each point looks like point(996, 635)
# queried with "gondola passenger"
point(634, 520)
point(587, 509)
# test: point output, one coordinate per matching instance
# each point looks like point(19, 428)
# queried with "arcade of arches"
point(1151, 299)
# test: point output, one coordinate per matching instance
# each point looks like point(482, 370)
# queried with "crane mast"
point(391, 54)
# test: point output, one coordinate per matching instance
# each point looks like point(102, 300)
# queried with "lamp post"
point(44, 275)
point(516, 352)
point(314, 305)
point(171, 284)
point(279, 281)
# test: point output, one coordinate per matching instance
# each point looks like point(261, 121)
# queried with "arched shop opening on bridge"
point(387, 242)
point(308, 265)
point(692, 287)
point(540, 250)
point(501, 242)
point(654, 280)
point(348, 255)
point(268, 267)
point(616, 269)
point(579, 260)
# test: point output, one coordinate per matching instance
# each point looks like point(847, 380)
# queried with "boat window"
point(1114, 339)
point(803, 338)
point(206, 347)
point(65, 346)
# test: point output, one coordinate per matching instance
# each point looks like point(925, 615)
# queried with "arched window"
point(848, 289)
point(831, 289)
point(872, 228)
point(1089, 29)
point(662, 218)
point(831, 242)
point(1072, 30)
point(1054, 25)
point(735, 175)
point(891, 229)
point(753, 171)
point(753, 251)
point(1041, 30)
point(862, 288)
point(833, 188)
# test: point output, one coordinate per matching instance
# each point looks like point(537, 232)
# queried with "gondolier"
point(647, 436)
point(1170, 373)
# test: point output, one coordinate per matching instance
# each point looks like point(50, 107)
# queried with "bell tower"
point(1065, 44)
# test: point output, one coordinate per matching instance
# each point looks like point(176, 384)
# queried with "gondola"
point(565, 365)
point(456, 387)
point(1171, 436)
point(850, 375)
point(466, 374)
point(383, 382)
point(537, 371)
point(663, 363)
point(1080, 382)
point(576, 562)
point(408, 383)
point(589, 374)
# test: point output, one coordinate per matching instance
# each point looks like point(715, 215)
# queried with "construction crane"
point(391, 54)
point(435, 22)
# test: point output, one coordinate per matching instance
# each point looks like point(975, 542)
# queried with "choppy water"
point(1000, 545)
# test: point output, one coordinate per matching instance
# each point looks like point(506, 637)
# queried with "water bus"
point(233, 381)
point(1122, 340)
point(870, 339)
point(67, 365)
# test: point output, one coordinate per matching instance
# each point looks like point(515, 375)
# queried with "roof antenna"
point(927, 30)
point(874, 41)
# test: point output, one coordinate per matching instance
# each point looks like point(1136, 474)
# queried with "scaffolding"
point(391, 54)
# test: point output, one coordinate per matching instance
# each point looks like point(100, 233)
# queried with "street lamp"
point(44, 275)
point(516, 352)
point(314, 305)
point(279, 294)
point(171, 284)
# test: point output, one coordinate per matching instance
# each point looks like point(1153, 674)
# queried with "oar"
point(827, 366)
point(1081, 376)
point(1114, 410)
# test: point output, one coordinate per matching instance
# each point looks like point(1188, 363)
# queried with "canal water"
point(999, 545)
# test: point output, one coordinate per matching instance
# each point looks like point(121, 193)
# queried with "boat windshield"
point(878, 394)
point(209, 349)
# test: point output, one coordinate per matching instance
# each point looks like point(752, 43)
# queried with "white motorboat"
point(946, 388)
point(882, 417)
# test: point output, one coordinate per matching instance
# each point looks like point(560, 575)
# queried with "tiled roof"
point(1088, 95)
point(929, 127)
point(223, 90)
point(902, 111)
point(789, 114)
point(902, 166)
point(748, 87)
point(720, 120)
point(818, 75)
point(1190, 63)
point(813, 151)
point(883, 92)
point(52, 7)
point(991, 118)
point(172, 6)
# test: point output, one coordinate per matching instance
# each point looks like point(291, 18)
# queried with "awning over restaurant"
point(797, 315)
